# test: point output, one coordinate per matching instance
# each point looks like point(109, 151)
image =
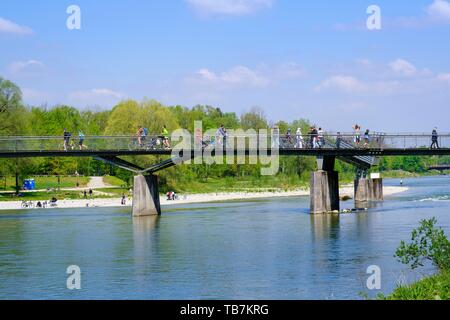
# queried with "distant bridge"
point(324, 182)
point(441, 167)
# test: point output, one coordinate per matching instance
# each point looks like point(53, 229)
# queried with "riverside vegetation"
point(428, 244)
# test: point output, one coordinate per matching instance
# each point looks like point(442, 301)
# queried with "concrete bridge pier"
point(368, 189)
point(146, 196)
point(324, 191)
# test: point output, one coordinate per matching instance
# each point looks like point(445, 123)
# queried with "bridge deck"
point(286, 152)
point(107, 146)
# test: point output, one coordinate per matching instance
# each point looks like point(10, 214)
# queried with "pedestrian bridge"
point(326, 148)
point(337, 145)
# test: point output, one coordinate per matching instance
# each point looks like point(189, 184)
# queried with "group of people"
point(316, 138)
point(67, 143)
point(357, 136)
point(163, 138)
point(171, 195)
point(30, 204)
point(85, 193)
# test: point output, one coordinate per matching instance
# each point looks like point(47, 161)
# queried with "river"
point(262, 249)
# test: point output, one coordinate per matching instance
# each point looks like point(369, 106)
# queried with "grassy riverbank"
point(396, 174)
point(44, 182)
point(436, 287)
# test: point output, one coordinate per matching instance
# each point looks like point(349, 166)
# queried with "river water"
point(264, 249)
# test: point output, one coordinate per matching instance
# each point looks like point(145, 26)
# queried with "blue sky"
point(295, 59)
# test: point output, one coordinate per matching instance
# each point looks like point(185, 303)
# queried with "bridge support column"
point(146, 196)
point(324, 191)
point(367, 189)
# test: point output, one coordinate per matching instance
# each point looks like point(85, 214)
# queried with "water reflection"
point(367, 204)
point(324, 226)
point(145, 225)
point(145, 230)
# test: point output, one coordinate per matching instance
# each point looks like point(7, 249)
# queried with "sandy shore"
point(196, 198)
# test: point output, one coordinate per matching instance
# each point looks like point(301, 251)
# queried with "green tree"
point(13, 115)
point(428, 243)
point(124, 118)
point(254, 119)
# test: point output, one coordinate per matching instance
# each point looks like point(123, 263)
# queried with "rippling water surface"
point(265, 249)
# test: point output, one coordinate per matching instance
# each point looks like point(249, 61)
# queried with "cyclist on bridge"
point(165, 137)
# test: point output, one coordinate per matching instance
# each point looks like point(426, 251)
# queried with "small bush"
point(428, 243)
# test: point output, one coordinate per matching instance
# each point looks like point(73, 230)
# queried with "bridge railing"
point(155, 142)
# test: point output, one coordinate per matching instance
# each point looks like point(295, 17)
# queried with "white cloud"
point(229, 7)
point(403, 67)
point(350, 84)
point(7, 26)
point(236, 76)
point(102, 97)
point(207, 75)
point(242, 76)
point(26, 68)
point(439, 10)
point(289, 70)
point(342, 83)
point(444, 77)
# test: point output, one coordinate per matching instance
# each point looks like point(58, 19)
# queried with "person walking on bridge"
point(366, 138)
point(299, 139)
point(434, 139)
point(139, 134)
point(221, 136)
point(357, 131)
point(81, 139)
point(275, 137)
point(320, 138)
point(338, 140)
point(314, 137)
point(66, 139)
